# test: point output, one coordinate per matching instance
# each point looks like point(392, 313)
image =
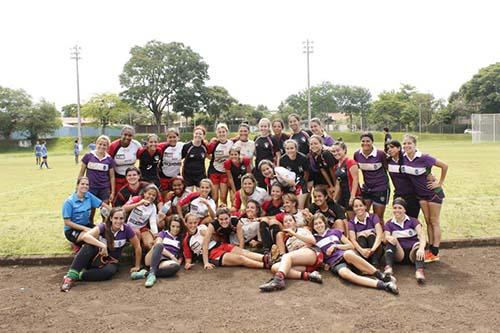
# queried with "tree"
point(386, 110)
point(69, 110)
point(157, 72)
point(483, 90)
point(40, 119)
point(217, 101)
point(105, 109)
point(13, 102)
point(352, 101)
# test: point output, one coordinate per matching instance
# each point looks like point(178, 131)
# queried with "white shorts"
point(250, 231)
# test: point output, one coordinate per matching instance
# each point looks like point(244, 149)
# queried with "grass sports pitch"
point(31, 199)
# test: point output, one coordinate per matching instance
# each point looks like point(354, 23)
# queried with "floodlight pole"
point(308, 49)
point(75, 54)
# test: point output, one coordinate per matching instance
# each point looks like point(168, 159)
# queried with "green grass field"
point(31, 199)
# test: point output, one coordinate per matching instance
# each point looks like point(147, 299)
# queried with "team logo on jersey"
point(266, 145)
point(156, 158)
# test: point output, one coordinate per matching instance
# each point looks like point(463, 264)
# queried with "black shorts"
point(435, 197)
point(378, 198)
point(193, 180)
point(72, 234)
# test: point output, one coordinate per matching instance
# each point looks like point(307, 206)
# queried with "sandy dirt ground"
point(462, 294)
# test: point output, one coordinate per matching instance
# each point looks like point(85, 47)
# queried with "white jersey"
point(171, 161)
point(126, 157)
point(247, 148)
point(293, 243)
point(196, 240)
point(142, 215)
point(260, 195)
point(221, 154)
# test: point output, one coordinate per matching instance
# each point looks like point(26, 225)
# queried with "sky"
point(253, 48)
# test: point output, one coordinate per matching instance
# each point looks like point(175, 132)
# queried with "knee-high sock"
point(156, 258)
point(265, 235)
point(390, 250)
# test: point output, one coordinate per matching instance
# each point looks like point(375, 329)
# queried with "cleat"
point(389, 278)
point(420, 276)
point(67, 284)
point(429, 257)
point(391, 287)
point(150, 281)
point(315, 277)
point(139, 275)
point(273, 285)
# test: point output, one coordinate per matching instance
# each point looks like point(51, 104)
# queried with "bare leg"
point(358, 262)
point(147, 240)
point(215, 194)
point(424, 206)
point(368, 204)
point(249, 254)
point(346, 274)
point(223, 193)
point(233, 259)
point(379, 210)
point(280, 242)
point(301, 257)
point(303, 199)
point(435, 212)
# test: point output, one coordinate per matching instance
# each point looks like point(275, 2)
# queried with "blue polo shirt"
point(78, 210)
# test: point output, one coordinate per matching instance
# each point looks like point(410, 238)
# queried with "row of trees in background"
point(162, 82)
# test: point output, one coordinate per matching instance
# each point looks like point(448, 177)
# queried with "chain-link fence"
point(485, 127)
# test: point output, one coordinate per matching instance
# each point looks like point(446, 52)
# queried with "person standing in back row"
point(44, 152)
point(38, 153)
point(76, 151)
point(124, 152)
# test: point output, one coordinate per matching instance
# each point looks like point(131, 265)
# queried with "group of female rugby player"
point(296, 200)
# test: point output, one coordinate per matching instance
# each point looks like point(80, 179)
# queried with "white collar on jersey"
point(356, 220)
point(373, 153)
point(94, 152)
point(393, 220)
point(121, 229)
point(418, 153)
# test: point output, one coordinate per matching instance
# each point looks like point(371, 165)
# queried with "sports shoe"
point(150, 281)
point(391, 287)
point(67, 284)
point(420, 276)
point(315, 277)
point(429, 257)
point(272, 285)
point(139, 275)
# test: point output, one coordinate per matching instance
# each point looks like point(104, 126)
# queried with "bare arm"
point(91, 236)
point(206, 241)
point(128, 208)
point(354, 170)
point(82, 170)
point(378, 238)
point(239, 234)
point(112, 181)
point(444, 171)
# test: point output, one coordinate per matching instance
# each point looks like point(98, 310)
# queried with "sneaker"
point(67, 284)
point(429, 257)
point(420, 276)
point(274, 284)
point(389, 278)
point(315, 277)
point(391, 287)
point(139, 275)
point(150, 281)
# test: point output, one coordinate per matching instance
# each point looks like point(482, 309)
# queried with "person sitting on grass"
point(164, 259)
point(338, 255)
point(301, 260)
point(99, 256)
point(142, 215)
point(76, 212)
point(405, 241)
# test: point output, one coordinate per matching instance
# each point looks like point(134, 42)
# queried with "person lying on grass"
point(98, 258)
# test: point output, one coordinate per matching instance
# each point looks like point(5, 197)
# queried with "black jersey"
point(302, 139)
point(334, 211)
point(280, 139)
point(270, 209)
point(299, 165)
point(194, 160)
point(225, 233)
point(266, 148)
point(148, 164)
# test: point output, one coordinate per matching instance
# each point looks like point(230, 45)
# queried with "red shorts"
point(218, 178)
point(119, 183)
point(317, 264)
point(165, 184)
point(220, 250)
point(144, 229)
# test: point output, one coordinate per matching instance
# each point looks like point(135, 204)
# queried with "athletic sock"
point(304, 276)
point(73, 274)
point(280, 275)
point(434, 250)
point(265, 235)
point(380, 285)
point(379, 275)
point(156, 257)
point(389, 254)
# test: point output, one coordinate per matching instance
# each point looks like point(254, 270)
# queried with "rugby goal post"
point(485, 127)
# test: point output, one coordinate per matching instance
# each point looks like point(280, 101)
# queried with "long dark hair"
point(108, 233)
point(396, 144)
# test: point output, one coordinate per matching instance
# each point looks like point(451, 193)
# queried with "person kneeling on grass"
point(405, 240)
point(338, 254)
point(218, 253)
point(300, 262)
point(164, 258)
point(98, 258)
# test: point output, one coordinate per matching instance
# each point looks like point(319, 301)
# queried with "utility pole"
point(75, 54)
point(308, 49)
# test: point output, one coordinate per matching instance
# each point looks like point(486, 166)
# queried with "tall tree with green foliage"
point(157, 71)
point(13, 103)
point(217, 101)
point(106, 109)
point(40, 119)
point(352, 101)
point(483, 90)
point(69, 110)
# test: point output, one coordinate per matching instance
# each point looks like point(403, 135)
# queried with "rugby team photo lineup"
point(291, 200)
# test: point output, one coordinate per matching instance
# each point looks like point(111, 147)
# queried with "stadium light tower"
point(308, 49)
point(75, 54)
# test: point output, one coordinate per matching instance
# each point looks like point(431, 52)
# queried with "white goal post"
point(485, 127)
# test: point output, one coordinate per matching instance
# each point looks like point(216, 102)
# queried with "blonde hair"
point(105, 138)
point(207, 181)
point(243, 195)
point(222, 125)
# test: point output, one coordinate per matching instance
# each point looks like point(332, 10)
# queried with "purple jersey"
point(418, 169)
point(170, 243)
point(373, 169)
point(121, 237)
point(406, 233)
point(98, 170)
point(325, 241)
point(365, 227)
point(400, 180)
